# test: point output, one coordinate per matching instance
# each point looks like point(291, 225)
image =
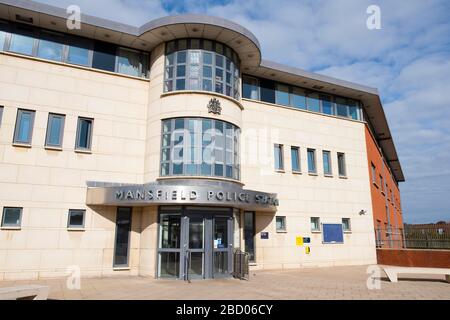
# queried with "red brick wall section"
point(414, 258)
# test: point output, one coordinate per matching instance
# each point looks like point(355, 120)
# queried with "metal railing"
point(412, 237)
point(241, 269)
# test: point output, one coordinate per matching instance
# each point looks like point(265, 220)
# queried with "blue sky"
point(408, 60)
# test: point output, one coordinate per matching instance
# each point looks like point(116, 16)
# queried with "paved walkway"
point(318, 283)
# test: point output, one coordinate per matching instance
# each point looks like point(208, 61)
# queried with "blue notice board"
point(332, 233)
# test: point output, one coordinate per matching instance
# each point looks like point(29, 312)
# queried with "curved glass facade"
point(200, 64)
point(200, 147)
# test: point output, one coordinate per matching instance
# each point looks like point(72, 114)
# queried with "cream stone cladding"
point(47, 183)
point(302, 195)
point(177, 104)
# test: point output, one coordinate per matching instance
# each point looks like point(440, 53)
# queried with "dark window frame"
point(73, 226)
point(19, 225)
point(49, 128)
point(78, 134)
point(17, 127)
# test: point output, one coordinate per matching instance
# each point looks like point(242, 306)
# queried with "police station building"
point(161, 150)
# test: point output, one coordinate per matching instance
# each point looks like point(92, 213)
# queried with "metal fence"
point(241, 265)
point(413, 237)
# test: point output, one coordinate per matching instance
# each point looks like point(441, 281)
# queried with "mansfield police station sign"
point(183, 191)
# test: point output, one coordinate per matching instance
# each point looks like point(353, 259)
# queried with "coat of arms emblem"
point(214, 106)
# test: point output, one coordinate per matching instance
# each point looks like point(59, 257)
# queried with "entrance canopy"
point(180, 191)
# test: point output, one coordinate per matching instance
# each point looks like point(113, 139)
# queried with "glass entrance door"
point(195, 243)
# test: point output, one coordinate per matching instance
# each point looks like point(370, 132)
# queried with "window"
point(346, 226)
point(249, 234)
point(104, 56)
point(22, 40)
point(278, 154)
point(55, 130)
point(282, 94)
point(24, 126)
point(374, 174)
point(326, 162)
point(313, 102)
point(78, 52)
point(129, 62)
point(12, 217)
point(2, 37)
point(281, 223)
point(298, 99)
point(341, 164)
point(341, 107)
point(250, 88)
point(381, 183)
point(315, 224)
point(84, 134)
point(353, 109)
point(122, 241)
point(312, 161)
point(197, 146)
point(50, 46)
point(76, 219)
point(1, 115)
point(197, 64)
point(327, 105)
point(295, 159)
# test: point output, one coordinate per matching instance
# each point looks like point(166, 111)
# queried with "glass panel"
point(207, 85)
point(327, 106)
point(295, 159)
point(181, 57)
point(249, 234)
point(2, 39)
point(207, 58)
point(341, 107)
point(326, 163)
point(311, 161)
point(24, 130)
point(181, 71)
point(298, 99)
point(313, 103)
point(78, 55)
point(282, 95)
point(221, 262)
point(278, 157)
point(169, 263)
point(250, 88)
point(129, 62)
point(123, 228)
point(104, 56)
point(180, 84)
point(207, 72)
point(353, 109)
point(220, 233)
point(237, 229)
point(21, 44)
point(341, 164)
point(11, 216)
point(170, 231)
point(50, 50)
point(55, 128)
point(196, 233)
point(196, 267)
point(84, 133)
point(76, 218)
point(280, 223)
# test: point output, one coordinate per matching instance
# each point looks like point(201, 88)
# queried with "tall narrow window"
point(346, 226)
point(381, 183)
point(84, 134)
point(326, 163)
point(341, 107)
point(1, 115)
point(315, 224)
point(341, 164)
point(295, 158)
point(55, 130)
point(312, 161)
point(313, 102)
point(12, 217)
point(278, 154)
point(249, 234)
point(374, 174)
point(24, 126)
point(122, 243)
point(280, 223)
point(353, 109)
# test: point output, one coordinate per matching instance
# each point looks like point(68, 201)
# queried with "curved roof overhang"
point(146, 37)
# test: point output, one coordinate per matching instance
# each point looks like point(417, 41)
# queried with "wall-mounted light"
point(362, 212)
